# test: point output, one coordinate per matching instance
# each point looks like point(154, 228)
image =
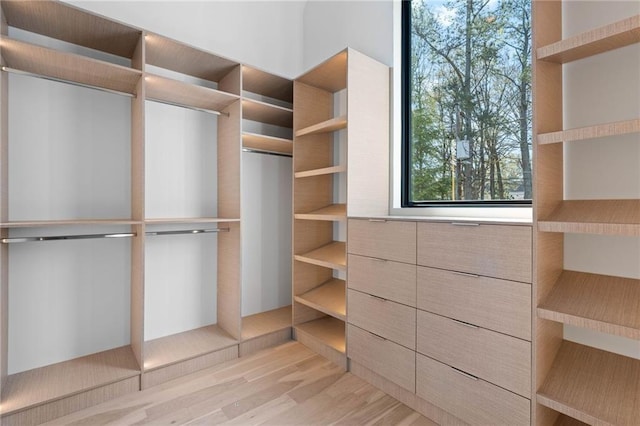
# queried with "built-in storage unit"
point(120, 254)
point(340, 168)
point(573, 379)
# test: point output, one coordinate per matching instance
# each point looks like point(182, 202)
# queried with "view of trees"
point(471, 99)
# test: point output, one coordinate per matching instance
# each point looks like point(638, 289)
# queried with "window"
point(466, 87)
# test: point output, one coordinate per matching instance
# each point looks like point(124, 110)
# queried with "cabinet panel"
point(491, 250)
point(388, 359)
point(497, 358)
point(499, 305)
point(470, 399)
point(389, 280)
point(383, 239)
point(385, 318)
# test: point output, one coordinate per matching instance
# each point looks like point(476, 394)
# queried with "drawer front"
point(499, 305)
point(385, 318)
point(389, 240)
point(389, 280)
point(491, 250)
point(471, 400)
point(499, 359)
point(388, 359)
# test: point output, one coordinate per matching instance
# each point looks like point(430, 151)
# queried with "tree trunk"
point(467, 106)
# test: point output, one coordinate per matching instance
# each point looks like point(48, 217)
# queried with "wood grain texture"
point(499, 305)
point(489, 250)
point(591, 132)
point(312, 193)
point(329, 298)
point(52, 18)
point(190, 220)
point(267, 143)
point(390, 360)
point(497, 358)
point(568, 421)
point(389, 280)
point(173, 55)
point(327, 126)
point(383, 240)
point(229, 281)
point(474, 401)
point(267, 322)
point(41, 385)
point(67, 66)
point(384, 318)
point(311, 105)
point(168, 90)
point(331, 256)
point(323, 171)
point(229, 164)
point(333, 212)
point(284, 385)
point(593, 42)
point(263, 83)
point(604, 217)
point(232, 82)
point(67, 222)
point(266, 113)
point(264, 341)
point(328, 330)
point(593, 386)
point(331, 75)
point(4, 212)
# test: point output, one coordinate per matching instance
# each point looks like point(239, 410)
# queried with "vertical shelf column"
point(4, 215)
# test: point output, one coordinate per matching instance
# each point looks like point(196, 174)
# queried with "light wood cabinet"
point(383, 278)
point(382, 239)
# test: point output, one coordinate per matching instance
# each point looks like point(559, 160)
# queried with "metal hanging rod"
point(208, 111)
point(65, 237)
point(259, 151)
point(72, 83)
point(187, 231)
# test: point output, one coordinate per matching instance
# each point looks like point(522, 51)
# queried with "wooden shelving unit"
point(328, 297)
point(332, 255)
point(331, 125)
point(68, 222)
point(164, 89)
point(265, 323)
point(575, 383)
point(333, 212)
point(319, 172)
point(267, 113)
point(328, 330)
point(266, 143)
point(178, 220)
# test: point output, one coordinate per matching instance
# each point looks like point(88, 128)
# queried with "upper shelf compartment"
point(267, 113)
point(51, 18)
point(593, 42)
point(176, 92)
point(69, 67)
point(591, 132)
point(330, 75)
point(604, 217)
point(331, 125)
point(266, 84)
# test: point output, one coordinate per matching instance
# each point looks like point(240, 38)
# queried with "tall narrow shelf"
point(573, 382)
point(331, 125)
point(328, 297)
point(319, 172)
point(332, 255)
point(331, 212)
point(328, 331)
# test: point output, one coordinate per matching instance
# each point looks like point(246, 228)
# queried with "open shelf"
point(50, 19)
point(266, 322)
point(607, 217)
point(186, 345)
point(180, 57)
point(591, 132)
point(267, 143)
point(267, 113)
point(331, 75)
point(64, 66)
point(44, 384)
point(179, 220)
point(599, 302)
point(67, 222)
point(327, 330)
point(593, 386)
point(320, 172)
point(593, 42)
point(330, 125)
point(328, 297)
point(176, 92)
point(334, 212)
point(332, 255)
point(266, 84)
point(563, 420)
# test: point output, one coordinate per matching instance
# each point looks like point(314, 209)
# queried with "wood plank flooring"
point(286, 385)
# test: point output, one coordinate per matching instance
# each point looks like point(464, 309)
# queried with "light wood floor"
point(286, 385)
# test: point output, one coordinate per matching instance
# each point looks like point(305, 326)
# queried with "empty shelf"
point(178, 220)
point(266, 322)
point(184, 346)
point(332, 256)
point(593, 386)
point(333, 212)
point(591, 132)
point(67, 222)
point(607, 217)
point(331, 125)
point(267, 113)
point(593, 42)
point(320, 172)
point(267, 143)
point(176, 92)
point(331, 75)
point(328, 297)
point(568, 421)
point(328, 331)
point(266, 84)
point(599, 302)
point(41, 385)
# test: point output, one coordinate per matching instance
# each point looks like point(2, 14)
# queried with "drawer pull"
point(466, 324)
point(467, 375)
point(379, 260)
point(377, 336)
point(466, 274)
point(382, 299)
point(378, 220)
point(465, 224)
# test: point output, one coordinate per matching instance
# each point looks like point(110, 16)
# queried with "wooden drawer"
point(390, 360)
point(499, 359)
point(389, 280)
point(389, 240)
point(385, 318)
point(470, 399)
point(491, 250)
point(498, 305)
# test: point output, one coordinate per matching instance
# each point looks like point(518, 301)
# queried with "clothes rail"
point(60, 80)
point(259, 151)
point(65, 237)
point(187, 231)
point(208, 111)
